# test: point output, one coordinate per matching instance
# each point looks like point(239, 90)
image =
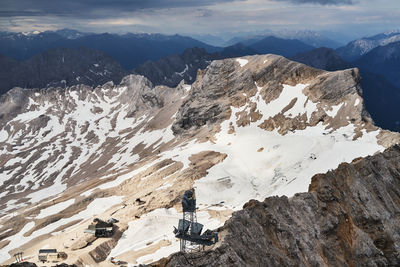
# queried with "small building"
point(101, 228)
point(49, 255)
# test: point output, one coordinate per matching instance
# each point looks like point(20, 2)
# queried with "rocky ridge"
point(349, 217)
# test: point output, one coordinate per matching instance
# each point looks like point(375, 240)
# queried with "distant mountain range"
point(322, 58)
point(380, 72)
point(383, 60)
point(60, 67)
point(130, 50)
point(310, 38)
point(29, 59)
point(59, 59)
point(357, 48)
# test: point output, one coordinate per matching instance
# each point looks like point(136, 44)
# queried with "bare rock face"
point(349, 217)
point(225, 83)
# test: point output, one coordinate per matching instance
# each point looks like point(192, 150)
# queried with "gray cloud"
point(91, 8)
point(321, 2)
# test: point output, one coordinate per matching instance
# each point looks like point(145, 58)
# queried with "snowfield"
point(258, 164)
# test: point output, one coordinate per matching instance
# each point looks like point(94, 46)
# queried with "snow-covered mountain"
point(247, 128)
point(355, 49)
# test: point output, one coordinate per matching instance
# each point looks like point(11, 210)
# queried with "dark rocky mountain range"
point(237, 50)
point(130, 50)
point(322, 58)
point(311, 38)
point(380, 69)
point(60, 67)
point(21, 46)
point(357, 48)
point(172, 70)
point(349, 217)
point(382, 100)
point(279, 46)
point(383, 60)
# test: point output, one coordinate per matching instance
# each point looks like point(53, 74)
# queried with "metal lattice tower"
point(186, 245)
point(189, 230)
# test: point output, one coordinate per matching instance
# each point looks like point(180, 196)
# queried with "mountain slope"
point(383, 60)
point(60, 67)
point(381, 100)
point(247, 128)
point(311, 38)
point(279, 46)
point(130, 50)
point(349, 217)
point(170, 71)
point(322, 58)
point(381, 96)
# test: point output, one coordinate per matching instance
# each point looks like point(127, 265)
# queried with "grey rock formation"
point(224, 83)
point(349, 217)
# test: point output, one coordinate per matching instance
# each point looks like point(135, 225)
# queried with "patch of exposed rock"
point(349, 217)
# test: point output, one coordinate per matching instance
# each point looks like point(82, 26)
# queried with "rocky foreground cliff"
point(349, 217)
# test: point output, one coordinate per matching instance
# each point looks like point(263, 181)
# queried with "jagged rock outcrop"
point(349, 217)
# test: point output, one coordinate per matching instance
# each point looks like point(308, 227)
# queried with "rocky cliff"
point(349, 217)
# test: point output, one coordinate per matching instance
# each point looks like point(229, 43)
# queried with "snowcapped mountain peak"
point(357, 48)
point(247, 128)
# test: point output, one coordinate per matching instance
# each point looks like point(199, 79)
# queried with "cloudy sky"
point(220, 17)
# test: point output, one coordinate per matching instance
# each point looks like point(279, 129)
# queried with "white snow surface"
point(108, 123)
point(332, 113)
point(259, 164)
point(242, 61)
point(55, 208)
point(97, 206)
point(154, 227)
